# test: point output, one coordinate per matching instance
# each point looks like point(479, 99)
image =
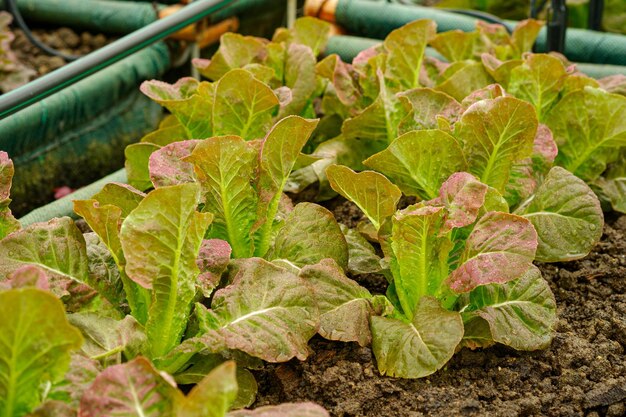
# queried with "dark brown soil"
point(583, 373)
point(62, 39)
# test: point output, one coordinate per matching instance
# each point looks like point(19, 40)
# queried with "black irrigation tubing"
point(81, 68)
point(12, 8)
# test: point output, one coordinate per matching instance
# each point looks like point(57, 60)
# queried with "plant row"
point(203, 260)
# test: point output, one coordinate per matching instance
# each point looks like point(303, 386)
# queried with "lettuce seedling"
point(237, 104)
point(288, 60)
point(461, 272)
point(456, 45)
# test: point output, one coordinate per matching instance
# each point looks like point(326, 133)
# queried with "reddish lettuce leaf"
point(8, 223)
point(520, 313)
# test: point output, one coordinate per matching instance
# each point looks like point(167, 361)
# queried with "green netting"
point(64, 206)
point(79, 134)
point(376, 18)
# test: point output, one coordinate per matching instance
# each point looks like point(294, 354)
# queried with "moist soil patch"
point(583, 373)
point(62, 39)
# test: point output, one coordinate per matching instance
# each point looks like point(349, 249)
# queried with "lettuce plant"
point(242, 184)
point(498, 140)
point(149, 254)
point(461, 272)
point(37, 352)
point(288, 61)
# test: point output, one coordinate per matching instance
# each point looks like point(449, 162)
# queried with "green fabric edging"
point(65, 206)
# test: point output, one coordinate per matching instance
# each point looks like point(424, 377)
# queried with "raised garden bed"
point(464, 257)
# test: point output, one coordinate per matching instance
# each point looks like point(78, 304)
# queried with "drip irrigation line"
point(12, 8)
point(81, 68)
point(487, 17)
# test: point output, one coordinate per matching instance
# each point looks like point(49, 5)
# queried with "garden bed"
point(62, 39)
point(449, 194)
point(583, 373)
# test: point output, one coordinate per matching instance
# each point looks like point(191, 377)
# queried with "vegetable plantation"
point(324, 234)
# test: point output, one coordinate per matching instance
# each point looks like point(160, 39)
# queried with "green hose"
point(64, 206)
point(375, 19)
point(116, 16)
point(99, 16)
point(79, 134)
point(347, 47)
point(247, 8)
point(44, 122)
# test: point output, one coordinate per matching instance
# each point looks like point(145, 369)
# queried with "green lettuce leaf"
point(106, 339)
point(243, 106)
point(378, 122)
point(188, 100)
point(567, 216)
point(310, 234)
point(405, 49)
point(279, 153)
point(495, 134)
point(419, 262)
point(136, 164)
point(161, 239)
point(374, 194)
point(417, 348)
point(589, 125)
point(266, 312)
point(58, 247)
point(427, 107)
point(539, 80)
point(213, 395)
point(35, 345)
point(225, 167)
point(121, 195)
point(299, 76)
point(106, 258)
point(467, 78)
point(520, 313)
point(362, 257)
point(235, 51)
point(613, 184)
point(345, 307)
point(420, 161)
point(202, 365)
point(311, 32)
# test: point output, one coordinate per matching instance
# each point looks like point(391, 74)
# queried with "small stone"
point(69, 37)
point(616, 410)
point(98, 41)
